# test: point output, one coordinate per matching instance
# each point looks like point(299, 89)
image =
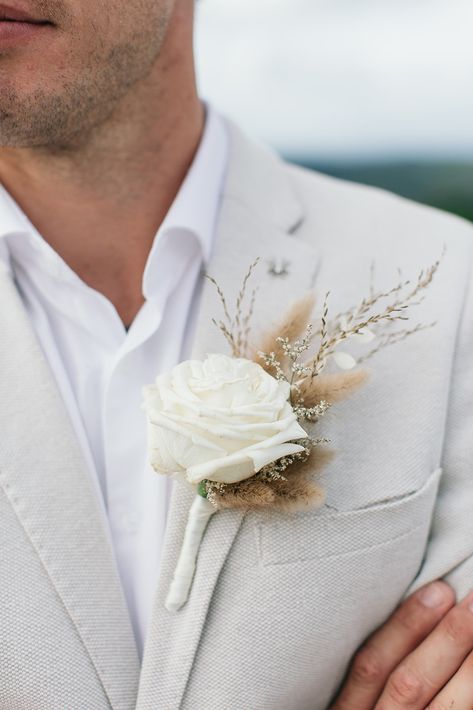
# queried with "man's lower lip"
point(11, 32)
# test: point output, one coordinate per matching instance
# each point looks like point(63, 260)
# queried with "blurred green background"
point(446, 185)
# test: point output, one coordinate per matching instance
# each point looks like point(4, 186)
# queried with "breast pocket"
point(368, 532)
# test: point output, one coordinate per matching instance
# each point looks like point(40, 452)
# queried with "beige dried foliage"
point(295, 492)
point(331, 388)
point(299, 491)
point(292, 326)
point(319, 458)
point(251, 494)
point(299, 496)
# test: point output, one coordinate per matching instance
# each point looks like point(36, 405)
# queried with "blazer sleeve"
point(449, 551)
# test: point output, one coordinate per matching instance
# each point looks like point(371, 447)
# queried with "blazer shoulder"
point(334, 202)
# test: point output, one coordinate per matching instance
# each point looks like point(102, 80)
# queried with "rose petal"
point(240, 465)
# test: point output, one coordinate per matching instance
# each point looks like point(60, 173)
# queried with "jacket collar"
point(45, 477)
point(259, 217)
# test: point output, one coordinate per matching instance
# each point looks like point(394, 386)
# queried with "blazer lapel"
point(45, 478)
point(259, 215)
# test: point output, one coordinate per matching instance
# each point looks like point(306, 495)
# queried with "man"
point(118, 189)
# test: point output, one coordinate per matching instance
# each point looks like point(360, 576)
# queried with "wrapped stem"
point(199, 515)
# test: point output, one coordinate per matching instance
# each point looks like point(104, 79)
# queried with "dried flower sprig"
point(394, 338)
point(401, 302)
point(236, 328)
point(284, 352)
point(266, 457)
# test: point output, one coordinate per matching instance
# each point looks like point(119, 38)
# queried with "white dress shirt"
point(101, 368)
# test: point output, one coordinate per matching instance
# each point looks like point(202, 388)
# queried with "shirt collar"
point(12, 218)
point(191, 219)
point(196, 205)
point(12, 221)
point(193, 213)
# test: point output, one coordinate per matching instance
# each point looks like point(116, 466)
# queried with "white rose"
point(222, 419)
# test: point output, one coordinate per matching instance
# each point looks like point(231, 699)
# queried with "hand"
point(420, 659)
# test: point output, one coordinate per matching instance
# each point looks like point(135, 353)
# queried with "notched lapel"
point(173, 637)
point(258, 215)
point(44, 476)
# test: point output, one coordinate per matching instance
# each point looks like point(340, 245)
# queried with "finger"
point(427, 669)
point(387, 647)
point(458, 693)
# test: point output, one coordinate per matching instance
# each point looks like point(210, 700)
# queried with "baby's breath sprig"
point(274, 470)
point(295, 370)
point(272, 363)
point(311, 414)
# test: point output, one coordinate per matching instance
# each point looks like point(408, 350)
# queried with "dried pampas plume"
point(331, 388)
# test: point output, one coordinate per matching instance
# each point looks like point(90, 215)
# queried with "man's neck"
point(99, 203)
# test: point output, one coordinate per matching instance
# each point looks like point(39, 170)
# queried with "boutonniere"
point(240, 428)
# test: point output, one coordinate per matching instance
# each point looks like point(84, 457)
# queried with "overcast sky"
point(343, 78)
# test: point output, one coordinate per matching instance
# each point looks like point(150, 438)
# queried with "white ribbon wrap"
point(199, 515)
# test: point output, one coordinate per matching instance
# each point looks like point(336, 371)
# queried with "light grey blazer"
point(279, 604)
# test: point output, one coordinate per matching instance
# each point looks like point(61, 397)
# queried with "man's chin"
point(20, 130)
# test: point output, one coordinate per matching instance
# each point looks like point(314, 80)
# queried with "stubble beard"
point(66, 119)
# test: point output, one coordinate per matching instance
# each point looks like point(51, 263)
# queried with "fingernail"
point(469, 600)
point(432, 596)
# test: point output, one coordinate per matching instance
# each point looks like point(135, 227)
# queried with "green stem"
point(202, 489)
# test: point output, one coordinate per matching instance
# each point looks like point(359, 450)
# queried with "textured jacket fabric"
point(279, 603)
